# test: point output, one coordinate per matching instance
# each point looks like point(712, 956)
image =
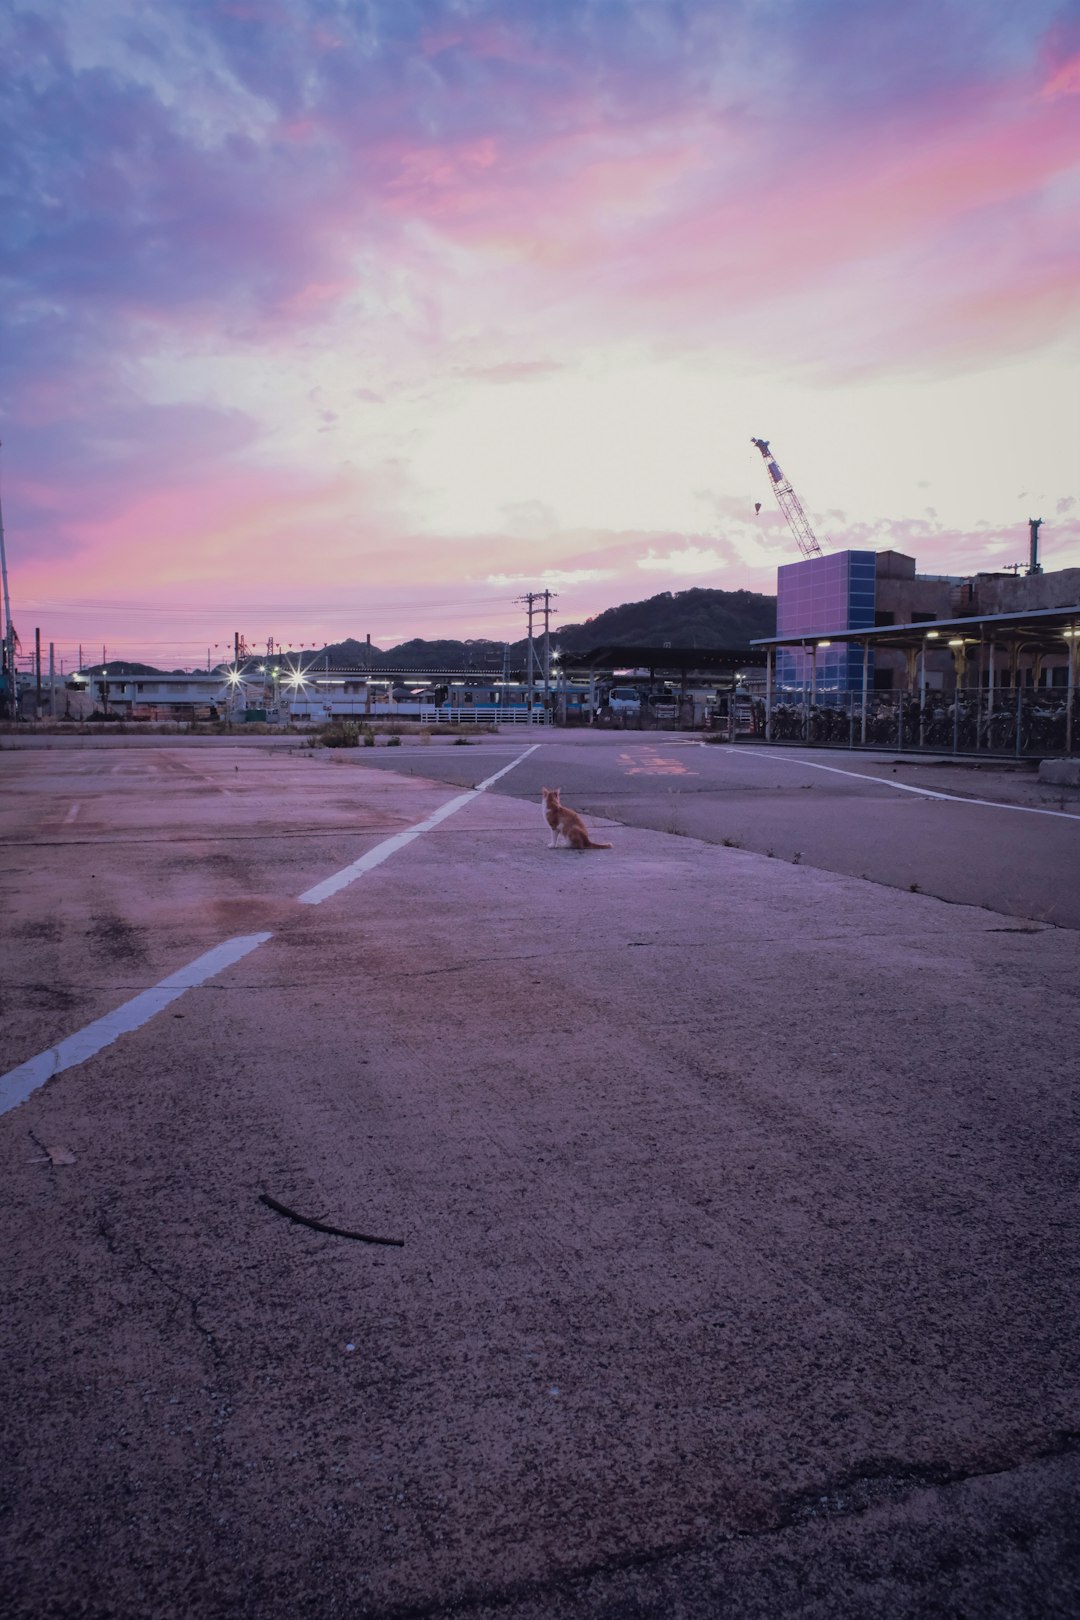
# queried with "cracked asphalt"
point(737, 1202)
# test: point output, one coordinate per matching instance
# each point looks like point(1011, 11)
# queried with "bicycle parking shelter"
point(1010, 708)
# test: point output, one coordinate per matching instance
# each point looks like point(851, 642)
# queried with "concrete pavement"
point(738, 1203)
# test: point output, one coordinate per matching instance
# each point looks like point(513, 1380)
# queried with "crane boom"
point(790, 504)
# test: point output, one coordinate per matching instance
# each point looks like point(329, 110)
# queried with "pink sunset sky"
point(337, 317)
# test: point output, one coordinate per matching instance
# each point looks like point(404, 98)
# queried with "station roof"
point(1049, 629)
point(681, 660)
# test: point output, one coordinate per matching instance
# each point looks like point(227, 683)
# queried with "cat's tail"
point(591, 845)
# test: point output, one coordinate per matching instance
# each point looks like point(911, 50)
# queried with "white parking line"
point(18, 1084)
point(72, 813)
point(375, 857)
point(920, 792)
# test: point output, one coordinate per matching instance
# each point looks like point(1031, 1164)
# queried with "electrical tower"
point(790, 504)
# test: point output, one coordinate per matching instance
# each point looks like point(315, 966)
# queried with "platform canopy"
point(1040, 630)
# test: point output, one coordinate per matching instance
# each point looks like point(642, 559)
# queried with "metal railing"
point(1022, 723)
point(480, 714)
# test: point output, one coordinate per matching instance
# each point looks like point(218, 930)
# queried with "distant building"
point(819, 598)
point(193, 696)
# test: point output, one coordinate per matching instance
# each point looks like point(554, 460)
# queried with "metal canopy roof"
point(1045, 627)
point(683, 660)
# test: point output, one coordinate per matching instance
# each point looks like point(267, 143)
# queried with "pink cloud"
point(681, 224)
point(1064, 82)
point(837, 204)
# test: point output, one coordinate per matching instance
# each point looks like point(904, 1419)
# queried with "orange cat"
point(567, 822)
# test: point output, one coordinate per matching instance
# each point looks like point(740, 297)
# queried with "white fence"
point(477, 714)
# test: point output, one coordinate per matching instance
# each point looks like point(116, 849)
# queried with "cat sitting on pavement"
point(566, 822)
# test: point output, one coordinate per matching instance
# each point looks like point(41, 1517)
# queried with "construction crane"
point(790, 504)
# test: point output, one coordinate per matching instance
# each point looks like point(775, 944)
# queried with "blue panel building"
point(818, 597)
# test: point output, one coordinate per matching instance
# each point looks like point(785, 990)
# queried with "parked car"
point(624, 700)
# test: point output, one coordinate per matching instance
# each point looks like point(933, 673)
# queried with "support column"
point(922, 696)
point(959, 668)
point(769, 658)
point(865, 684)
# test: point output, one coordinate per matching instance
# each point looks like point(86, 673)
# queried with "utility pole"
point(534, 666)
point(12, 688)
point(547, 647)
point(527, 602)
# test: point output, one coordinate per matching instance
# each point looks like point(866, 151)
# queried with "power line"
point(249, 609)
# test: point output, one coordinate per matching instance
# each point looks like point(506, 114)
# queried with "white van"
point(624, 700)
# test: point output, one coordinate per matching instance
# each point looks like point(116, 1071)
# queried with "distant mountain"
point(124, 666)
point(347, 654)
point(421, 654)
point(415, 654)
point(693, 618)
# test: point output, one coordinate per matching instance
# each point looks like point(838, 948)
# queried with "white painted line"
point(72, 813)
point(486, 783)
point(920, 792)
point(17, 1084)
point(375, 857)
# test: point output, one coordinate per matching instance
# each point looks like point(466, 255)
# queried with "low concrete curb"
point(1060, 772)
